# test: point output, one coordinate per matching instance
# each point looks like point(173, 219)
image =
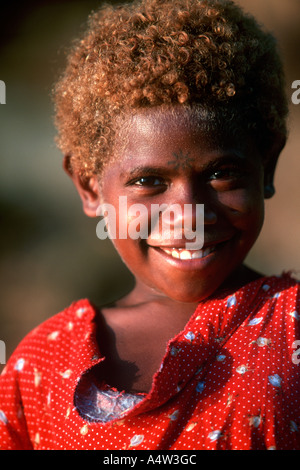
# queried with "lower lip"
point(189, 264)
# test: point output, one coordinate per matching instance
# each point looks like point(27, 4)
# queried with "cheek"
point(131, 230)
point(244, 209)
point(133, 221)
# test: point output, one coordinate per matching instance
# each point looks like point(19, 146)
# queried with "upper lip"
point(181, 244)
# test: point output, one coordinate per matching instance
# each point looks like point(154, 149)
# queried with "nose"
point(193, 199)
point(183, 218)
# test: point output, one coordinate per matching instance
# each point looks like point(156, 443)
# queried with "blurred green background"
point(50, 254)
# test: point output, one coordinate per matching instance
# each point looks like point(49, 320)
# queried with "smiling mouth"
point(185, 255)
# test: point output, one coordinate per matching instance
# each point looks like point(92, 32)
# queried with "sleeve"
point(13, 429)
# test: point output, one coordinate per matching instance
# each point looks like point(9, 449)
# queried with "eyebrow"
point(145, 170)
point(227, 158)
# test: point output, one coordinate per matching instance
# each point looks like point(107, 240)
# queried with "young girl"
point(168, 102)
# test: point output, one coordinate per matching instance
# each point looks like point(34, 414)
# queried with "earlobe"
point(269, 171)
point(269, 191)
point(87, 187)
point(270, 165)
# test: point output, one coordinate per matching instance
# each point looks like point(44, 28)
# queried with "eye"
point(227, 178)
point(229, 173)
point(149, 182)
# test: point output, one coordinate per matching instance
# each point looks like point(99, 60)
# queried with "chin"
point(190, 295)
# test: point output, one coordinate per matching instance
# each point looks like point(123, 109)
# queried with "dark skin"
point(168, 161)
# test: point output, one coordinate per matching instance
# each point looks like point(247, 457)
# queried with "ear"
point(88, 188)
point(270, 165)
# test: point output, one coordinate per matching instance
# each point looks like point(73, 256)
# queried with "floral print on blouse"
point(229, 380)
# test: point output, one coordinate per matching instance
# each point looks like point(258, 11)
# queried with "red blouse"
point(229, 380)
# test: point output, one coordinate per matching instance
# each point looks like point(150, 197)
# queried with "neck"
point(143, 294)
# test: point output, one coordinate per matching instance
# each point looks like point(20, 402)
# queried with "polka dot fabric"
point(229, 380)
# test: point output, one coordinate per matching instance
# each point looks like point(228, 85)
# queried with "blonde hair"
point(164, 52)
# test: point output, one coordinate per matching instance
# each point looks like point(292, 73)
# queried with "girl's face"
point(168, 159)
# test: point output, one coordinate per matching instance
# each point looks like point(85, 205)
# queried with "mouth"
point(185, 255)
point(181, 258)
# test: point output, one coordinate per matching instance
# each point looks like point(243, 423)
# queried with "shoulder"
point(272, 300)
point(284, 287)
point(270, 285)
point(77, 315)
point(44, 369)
point(281, 300)
point(59, 335)
point(283, 291)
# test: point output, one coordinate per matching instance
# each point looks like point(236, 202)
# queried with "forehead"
point(160, 122)
point(178, 127)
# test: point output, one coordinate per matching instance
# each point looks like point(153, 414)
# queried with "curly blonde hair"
point(148, 53)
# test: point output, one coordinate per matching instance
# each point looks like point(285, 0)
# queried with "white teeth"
point(185, 255)
point(188, 254)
